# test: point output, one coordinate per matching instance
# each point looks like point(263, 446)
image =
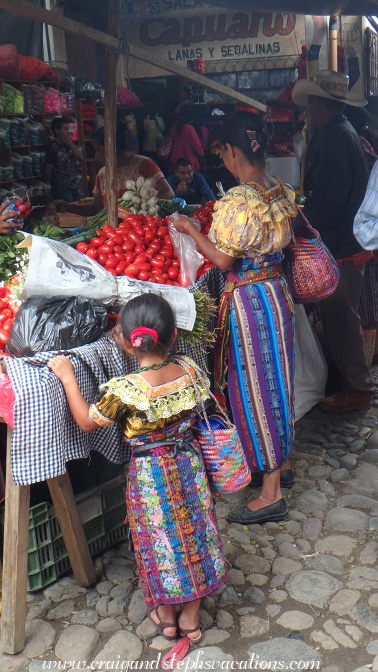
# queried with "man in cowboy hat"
point(336, 176)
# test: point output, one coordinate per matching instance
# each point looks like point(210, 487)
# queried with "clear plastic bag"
point(185, 248)
point(7, 399)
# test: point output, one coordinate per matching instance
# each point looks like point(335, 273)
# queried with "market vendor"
point(61, 162)
point(189, 185)
point(129, 167)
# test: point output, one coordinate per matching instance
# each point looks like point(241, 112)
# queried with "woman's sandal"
point(185, 632)
point(161, 625)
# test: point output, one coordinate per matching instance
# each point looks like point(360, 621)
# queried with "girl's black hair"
point(99, 137)
point(153, 312)
point(236, 131)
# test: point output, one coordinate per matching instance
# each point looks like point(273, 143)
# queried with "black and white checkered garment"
point(45, 435)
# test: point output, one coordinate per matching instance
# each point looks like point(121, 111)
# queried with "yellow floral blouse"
point(142, 407)
point(251, 222)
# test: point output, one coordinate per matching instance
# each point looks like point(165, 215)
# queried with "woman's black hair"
point(186, 117)
point(153, 312)
point(247, 132)
point(98, 137)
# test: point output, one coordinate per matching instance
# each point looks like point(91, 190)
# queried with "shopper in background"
point(336, 176)
point(251, 226)
point(170, 508)
point(61, 162)
point(129, 167)
point(189, 185)
point(185, 139)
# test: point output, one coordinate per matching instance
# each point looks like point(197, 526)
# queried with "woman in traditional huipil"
point(255, 348)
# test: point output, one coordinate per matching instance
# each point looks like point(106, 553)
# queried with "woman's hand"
point(61, 206)
point(183, 224)
point(6, 226)
point(62, 367)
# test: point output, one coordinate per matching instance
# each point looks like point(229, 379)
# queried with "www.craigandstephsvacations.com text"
point(192, 664)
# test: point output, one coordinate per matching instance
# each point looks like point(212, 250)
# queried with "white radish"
point(128, 195)
point(130, 184)
point(140, 182)
point(152, 211)
point(136, 199)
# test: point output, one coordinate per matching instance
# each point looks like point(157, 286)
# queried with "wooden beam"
point(109, 41)
point(110, 115)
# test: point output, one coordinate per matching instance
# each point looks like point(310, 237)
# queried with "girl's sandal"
point(186, 632)
point(161, 625)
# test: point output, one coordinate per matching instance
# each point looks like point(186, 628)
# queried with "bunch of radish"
point(140, 197)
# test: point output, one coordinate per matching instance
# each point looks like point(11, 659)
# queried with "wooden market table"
point(16, 541)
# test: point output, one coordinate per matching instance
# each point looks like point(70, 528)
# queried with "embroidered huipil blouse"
point(142, 407)
point(252, 222)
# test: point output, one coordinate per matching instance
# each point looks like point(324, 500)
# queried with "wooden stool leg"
point(15, 560)
point(72, 529)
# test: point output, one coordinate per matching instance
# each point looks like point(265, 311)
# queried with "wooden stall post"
point(15, 560)
point(333, 24)
point(110, 114)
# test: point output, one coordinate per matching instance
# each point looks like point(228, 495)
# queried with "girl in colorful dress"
point(169, 504)
point(250, 228)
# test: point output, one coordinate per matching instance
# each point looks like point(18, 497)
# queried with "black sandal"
point(187, 631)
point(161, 625)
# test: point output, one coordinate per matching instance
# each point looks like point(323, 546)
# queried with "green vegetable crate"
point(102, 512)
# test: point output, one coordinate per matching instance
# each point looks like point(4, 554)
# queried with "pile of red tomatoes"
point(6, 316)
point(140, 248)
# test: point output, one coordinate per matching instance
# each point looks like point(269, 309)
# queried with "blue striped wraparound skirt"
point(261, 368)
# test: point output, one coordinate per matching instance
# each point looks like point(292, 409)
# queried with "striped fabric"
point(261, 370)
point(173, 525)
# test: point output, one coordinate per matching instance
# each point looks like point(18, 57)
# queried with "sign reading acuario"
point(220, 36)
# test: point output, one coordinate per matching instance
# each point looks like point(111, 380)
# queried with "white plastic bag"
point(185, 248)
point(310, 366)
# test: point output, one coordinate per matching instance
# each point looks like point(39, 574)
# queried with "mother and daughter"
point(170, 508)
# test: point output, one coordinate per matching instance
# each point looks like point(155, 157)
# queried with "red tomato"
point(101, 258)
point(118, 239)
point(124, 227)
point(141, 217)
point(131, 270)
point(119, 255)
point(149, 235)
point(139, 230)
point(150, 253)
point(129, 257)
point(159, 279)
point(176, 263)
point(128, 245)
point(141, 258)
point(92, 253)
point(7, 312)
point(157, 263)
point(112, 271)
point(131, 219)
point(3, 318)
point(101, 233)
point(3, 304)
point(165, 276)
point(143, 275)
point(162, 231)
point(117, 248)
point(3, 336)
point(96, 242)
point(144, 266)
point(168, 240)
point(111, 261)
point(82, 247)
point(120, 267)
point(8, 324)
point(173, 272)
point(134, 236)
point(159, 221)
point(157, 241)
point(139, 249)
point(166, 251)
point(3, 292)
point(105, 249)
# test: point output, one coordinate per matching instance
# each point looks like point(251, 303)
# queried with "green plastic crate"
point(102, 512)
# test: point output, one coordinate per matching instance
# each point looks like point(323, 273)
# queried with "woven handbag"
point(311, 271)
point(222, 451)
point(223, 454)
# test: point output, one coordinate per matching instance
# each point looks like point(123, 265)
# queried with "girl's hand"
point(62, 367)
point(6, 226)
point(182, 224)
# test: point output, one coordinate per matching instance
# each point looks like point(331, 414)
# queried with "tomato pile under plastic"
point(140, 248)
point(6, 316)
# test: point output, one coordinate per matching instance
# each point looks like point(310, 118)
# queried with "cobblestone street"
point(302, 590)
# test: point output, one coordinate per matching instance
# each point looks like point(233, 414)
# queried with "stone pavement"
point(303, 590)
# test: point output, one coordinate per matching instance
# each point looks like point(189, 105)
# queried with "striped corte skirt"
point(261, 371)
point(173, 526)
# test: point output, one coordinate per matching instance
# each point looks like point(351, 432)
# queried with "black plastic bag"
point(55, 324)
point(87, 89)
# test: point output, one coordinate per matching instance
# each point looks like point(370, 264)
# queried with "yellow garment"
point(251, 222)
point(142, 407)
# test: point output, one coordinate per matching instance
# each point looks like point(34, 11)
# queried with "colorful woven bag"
point(311, 271)
point(222, 451)
point(223, 454)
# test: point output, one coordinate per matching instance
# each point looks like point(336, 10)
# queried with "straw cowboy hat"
point(327, 84)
